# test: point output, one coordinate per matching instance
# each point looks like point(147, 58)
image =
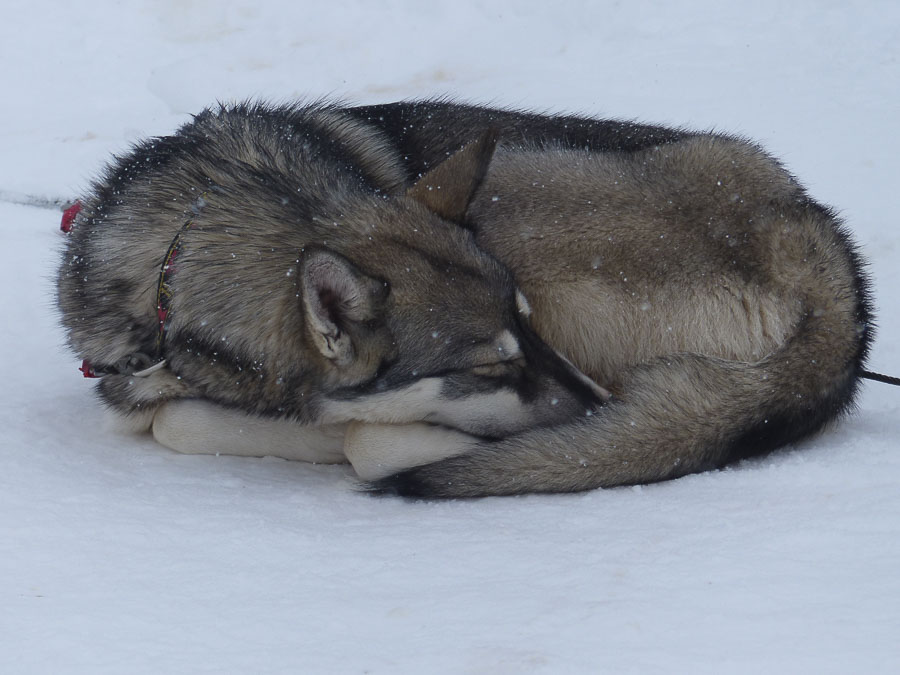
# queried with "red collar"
point(138, 364)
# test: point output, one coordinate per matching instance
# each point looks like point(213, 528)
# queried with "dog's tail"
point(687, 412)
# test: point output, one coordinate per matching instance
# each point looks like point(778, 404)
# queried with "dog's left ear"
point(335, 295)
point(448, 188)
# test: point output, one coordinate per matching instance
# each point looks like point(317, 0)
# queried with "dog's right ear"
point(448, 188)
point(334, 294)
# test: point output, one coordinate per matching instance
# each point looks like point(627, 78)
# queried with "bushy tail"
point(685, 413)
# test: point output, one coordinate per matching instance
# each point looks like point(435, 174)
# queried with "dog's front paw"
point(379, 450)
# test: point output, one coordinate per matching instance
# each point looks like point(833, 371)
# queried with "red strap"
point(163, 291)
point(88, 369)
point(68, 219)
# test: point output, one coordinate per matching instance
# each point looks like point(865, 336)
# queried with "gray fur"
point(308, 286)
point(725, 310)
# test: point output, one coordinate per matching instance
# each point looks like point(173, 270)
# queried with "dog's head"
point(415, 323)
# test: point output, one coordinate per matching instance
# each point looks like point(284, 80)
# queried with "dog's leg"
point(195, 426)
point(379, 450)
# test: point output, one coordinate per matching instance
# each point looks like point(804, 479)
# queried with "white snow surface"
point(119, 556)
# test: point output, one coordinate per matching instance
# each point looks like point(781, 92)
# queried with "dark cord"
point(878, 377)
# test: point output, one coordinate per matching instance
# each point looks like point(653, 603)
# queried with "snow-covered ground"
point(119, 556)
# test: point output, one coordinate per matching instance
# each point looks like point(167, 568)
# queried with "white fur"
point(483, 410)
point(194, 426)
point(522, 304)
point(422, 401)
point(412, 403)
point(508, 345)
point(137, 422)
point(379, 450)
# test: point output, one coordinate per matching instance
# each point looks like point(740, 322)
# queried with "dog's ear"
point(335, 295)
point(447, 189)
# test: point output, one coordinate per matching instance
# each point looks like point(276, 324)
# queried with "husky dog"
point(689, 274)
point(273, 261)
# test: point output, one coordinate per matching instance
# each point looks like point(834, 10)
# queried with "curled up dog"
point(464, 301)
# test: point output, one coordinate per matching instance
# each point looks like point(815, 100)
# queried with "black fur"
point(426, 132)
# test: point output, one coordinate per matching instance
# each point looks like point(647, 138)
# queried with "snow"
point(121, 556)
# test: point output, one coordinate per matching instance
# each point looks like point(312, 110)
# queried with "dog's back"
point(690, 273)
point(424, 133)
